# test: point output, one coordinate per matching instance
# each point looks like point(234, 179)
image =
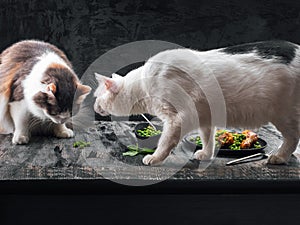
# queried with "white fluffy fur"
point(256, 91)
point(32, 84)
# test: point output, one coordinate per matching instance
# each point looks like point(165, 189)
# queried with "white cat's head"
point(106, 92)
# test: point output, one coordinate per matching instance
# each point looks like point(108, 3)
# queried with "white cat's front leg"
point(20, 117)
point(208, 141)
point(61, 131)
point(169, 139)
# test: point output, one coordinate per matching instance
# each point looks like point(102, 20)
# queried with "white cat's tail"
point(6, 123)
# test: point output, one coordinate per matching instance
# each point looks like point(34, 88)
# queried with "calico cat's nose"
point(63, 120)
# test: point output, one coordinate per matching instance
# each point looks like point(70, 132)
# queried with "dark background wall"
point(87, 29)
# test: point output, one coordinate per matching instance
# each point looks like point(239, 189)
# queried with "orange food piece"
point(251, 138)
point(250, 134)
point(226, 139)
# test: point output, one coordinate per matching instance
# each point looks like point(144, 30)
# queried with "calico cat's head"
point(61, 94)
point(106, 93)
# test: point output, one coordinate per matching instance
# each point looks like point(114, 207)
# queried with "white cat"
point(259, 83)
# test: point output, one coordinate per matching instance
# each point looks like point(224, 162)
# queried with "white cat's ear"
point(116, 76)
point(110, 84)
point(100, 78)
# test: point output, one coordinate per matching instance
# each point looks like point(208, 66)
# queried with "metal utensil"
point(250, 158)
point(151, 124)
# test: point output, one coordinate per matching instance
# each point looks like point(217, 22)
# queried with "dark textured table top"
point(104, 160)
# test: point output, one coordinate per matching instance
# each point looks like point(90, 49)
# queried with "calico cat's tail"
point(6, 123)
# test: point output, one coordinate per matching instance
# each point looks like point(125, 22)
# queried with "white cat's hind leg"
point(61, 131)
point(285, 151)
point(208, 141)
point(20, 117)
point(291, 133)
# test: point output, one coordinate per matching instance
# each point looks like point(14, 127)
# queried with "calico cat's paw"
point(276, 160)
point(151, 160)
point(20, 139)
point(64, 133)
point(202, 155)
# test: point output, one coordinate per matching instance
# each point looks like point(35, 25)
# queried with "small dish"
point(147, 142)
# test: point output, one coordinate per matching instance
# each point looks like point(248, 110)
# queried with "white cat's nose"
point(101, 112)
point(97, 109)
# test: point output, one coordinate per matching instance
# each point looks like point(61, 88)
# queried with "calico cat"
point(260, 83)
point(37, 81)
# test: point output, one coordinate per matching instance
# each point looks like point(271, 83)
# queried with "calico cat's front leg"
point(20, 116)
point(169, 139)
point(61, 131)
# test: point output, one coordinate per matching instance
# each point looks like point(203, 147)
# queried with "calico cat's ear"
point(44, 99)
point(81, 92)
point(51, 88)
point(110, 84)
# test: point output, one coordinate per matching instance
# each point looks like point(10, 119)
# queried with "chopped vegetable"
point(134, 150)
point(148, 132)
point(130, 153)
point(81, 144)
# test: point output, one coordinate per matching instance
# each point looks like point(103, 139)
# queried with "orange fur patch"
point(6, 79)
point(52, 88)
point(56, 66)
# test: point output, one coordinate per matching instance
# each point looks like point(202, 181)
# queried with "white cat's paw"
point(20, 139)
point(64, 133)
point(276, 160)
point(202, 155)
point(151, 160)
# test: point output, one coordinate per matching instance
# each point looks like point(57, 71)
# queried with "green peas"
point(197, 140)
point(235, 147)
point(257, 145)
point(148, 132)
